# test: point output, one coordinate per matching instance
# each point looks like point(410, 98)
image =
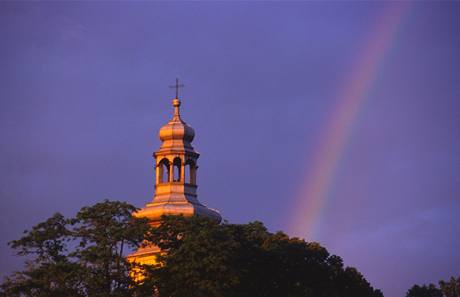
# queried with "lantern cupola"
point(176, 174)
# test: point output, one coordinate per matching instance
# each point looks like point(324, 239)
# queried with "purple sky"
point(83, 92)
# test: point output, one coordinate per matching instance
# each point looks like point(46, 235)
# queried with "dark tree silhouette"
point(424, 291)
point(205, 258)
point(82, 256)
point(449, 288)
point(85, 256)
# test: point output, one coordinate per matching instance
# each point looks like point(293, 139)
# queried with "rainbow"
point(319, 177)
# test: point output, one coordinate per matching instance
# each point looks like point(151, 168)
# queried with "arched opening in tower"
point(190, 175)
point(177, 169)
point(164, 171)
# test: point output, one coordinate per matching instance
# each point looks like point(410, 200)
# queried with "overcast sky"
point(84, 90)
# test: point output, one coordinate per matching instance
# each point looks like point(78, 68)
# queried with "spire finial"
point(176, 101)
point(176, 104)
point(177, 86)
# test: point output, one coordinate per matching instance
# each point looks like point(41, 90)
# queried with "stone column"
point(157, 173)
point(193, 168)
point(171, 171)
point(182, 172)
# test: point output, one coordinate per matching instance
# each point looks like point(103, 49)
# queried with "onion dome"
point(176, 132)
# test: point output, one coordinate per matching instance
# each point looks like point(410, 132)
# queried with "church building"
point(175, 180)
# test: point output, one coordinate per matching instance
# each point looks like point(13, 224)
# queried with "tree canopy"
point(80, 256)
point(450, 288)
point(85, 256)
point(207, 259)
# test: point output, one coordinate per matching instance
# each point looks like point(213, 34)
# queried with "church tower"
point(175, 180)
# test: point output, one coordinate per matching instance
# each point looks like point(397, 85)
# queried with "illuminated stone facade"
point(175, 182)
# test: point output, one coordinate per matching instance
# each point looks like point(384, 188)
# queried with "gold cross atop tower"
point(177, 86)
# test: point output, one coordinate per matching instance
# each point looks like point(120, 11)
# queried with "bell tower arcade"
point(176, 173)
point(175, 162)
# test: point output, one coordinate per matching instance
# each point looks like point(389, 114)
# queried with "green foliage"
point(450, 288)
point(104, 231)
point(424, 291)
point(84, 257)
point(81, 256)
point(207, 259)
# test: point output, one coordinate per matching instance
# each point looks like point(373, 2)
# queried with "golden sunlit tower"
point(175, 181)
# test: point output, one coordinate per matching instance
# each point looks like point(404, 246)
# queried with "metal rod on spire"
point(177, 86)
